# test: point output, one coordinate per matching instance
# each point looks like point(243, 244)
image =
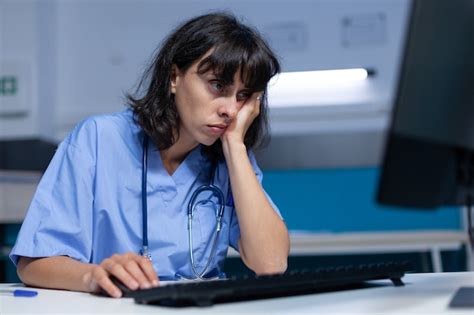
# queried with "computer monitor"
point(429, 156)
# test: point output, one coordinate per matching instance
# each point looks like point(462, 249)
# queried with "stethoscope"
point(192, 204)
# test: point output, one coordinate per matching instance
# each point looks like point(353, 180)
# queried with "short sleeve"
point(234, 222)
point(59, 219)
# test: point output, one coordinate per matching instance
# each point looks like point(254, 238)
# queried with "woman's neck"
point(175, 155)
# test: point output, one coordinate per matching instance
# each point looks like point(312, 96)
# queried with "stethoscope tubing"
point(190, 212)
point(144, 251)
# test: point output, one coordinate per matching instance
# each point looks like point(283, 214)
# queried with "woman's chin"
point(208, 141)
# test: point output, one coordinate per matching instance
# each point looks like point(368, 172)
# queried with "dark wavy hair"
point(234, 46)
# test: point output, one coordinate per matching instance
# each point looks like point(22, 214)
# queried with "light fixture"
point(322, 76)
point(319, 88)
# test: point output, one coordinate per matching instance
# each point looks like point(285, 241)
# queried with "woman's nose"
point(229, 108)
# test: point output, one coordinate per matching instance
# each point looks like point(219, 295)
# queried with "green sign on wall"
point(8, 85)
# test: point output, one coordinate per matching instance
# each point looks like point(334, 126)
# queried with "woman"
point(202, 111)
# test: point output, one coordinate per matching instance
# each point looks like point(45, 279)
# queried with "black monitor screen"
point(429, 157)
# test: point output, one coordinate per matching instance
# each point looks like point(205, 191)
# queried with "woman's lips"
point(217, 129)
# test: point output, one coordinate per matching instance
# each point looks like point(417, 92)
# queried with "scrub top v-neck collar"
point(188, 170)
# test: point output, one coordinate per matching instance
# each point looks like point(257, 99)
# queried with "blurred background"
point(64, 60)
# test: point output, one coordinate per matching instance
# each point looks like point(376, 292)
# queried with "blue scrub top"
point(88, 203)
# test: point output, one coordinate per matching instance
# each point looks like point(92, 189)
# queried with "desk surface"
point(422, 294)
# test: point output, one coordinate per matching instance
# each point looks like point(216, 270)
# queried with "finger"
point(145, 268)
point(255, 98)
point(253, 102)
point(149, 271)
point(257, 102)
point(101, 278)
point(133, 267)
point(115, 267)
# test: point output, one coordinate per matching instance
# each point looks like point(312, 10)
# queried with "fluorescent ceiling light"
point(321, 76)
point(319, 88)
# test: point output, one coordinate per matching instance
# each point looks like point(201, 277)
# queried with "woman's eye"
point(243, 96)
point(217, 86)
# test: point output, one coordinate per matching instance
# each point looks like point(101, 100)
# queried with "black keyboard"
point(206, 293)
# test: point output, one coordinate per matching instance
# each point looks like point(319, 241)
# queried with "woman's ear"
point(174, 78)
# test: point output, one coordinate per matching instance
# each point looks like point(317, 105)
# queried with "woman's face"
point(205, 104)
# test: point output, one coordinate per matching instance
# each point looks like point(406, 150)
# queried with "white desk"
point(423, 294)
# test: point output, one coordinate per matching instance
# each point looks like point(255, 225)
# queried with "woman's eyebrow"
point(223, 80)
point(228, 82)
point(246, 90)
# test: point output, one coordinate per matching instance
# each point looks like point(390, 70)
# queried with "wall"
point(344, 199)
